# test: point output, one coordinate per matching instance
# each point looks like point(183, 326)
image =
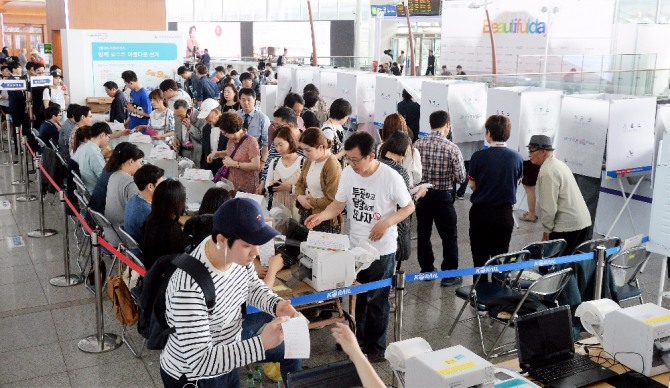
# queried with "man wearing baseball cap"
point(563, 211)
point(207, 346)
point(213, 142)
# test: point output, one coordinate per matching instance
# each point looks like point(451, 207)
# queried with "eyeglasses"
point(354, 161)
point(530, 151)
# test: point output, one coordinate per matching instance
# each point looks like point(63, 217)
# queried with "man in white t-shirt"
point(373, 192)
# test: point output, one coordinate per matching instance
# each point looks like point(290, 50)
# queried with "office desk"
point(597, 355)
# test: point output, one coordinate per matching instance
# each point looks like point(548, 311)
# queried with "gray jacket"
point(195, 134)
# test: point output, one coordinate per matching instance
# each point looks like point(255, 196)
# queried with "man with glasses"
point(494, 175)
point(563, 211)
point(254, 121)
point(49, 128)
point(374, 191)
point(442, 163)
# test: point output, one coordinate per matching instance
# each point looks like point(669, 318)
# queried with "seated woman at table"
point(284, 171)
point(121, 185)
point(198, 227)
point(319, 178)
point(162, 232)
point(243, 160)
point(99, 194)
point(161, 119)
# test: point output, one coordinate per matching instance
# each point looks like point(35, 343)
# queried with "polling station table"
point(597, 354)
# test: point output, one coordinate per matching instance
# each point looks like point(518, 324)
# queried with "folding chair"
point(538, 251)
point(125, 337)
point(591, 245)
point(41, 142)
point(547, 288)
point(55, 147)
point(110, 234)
point(625, 266)
point(81, 187)
point(480, 295)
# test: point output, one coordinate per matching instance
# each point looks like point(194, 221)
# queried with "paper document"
point(631, 242)
point(162, 151)
point(339, 242)
point(254, 197)
point(196, 174)
point(137, 137)
point(296, 338)
point(416, 188)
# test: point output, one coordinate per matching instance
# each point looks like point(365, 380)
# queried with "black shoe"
point(447, 282)
point(376, 357)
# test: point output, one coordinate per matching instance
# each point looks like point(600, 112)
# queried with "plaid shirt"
point(442, 161)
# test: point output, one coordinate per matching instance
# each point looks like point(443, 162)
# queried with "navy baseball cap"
point(243, 218)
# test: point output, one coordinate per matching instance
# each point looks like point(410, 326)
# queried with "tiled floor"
point(40, 325)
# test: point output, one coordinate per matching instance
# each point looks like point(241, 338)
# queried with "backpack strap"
point(197, 270)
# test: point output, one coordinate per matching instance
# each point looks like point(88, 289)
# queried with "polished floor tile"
point(58, 380)
point(131, 373)
point(25, 364)
point(17, 274)
point(27, 330)
point(21, 295)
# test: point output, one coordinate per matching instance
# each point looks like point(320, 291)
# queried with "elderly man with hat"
point(563, 211)
point(213, 142)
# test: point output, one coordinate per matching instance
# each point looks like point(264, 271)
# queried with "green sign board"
point(48, 48)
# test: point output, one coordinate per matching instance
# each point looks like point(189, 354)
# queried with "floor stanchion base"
point(38, 233)
point(29, 198)
point(61, 281)
point(91, 344)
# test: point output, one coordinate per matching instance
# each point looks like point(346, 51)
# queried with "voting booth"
point(306, 75)
point(359, 89)
point(285, 77)
point(388, 93)
point(269, 100)
point(533, 111)
point(622, 129)
point(328, 89)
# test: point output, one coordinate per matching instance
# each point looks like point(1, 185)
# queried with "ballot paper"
point(196, 174)
point(416, 188)
point(254, 197)
point(162, 151)
point(296, 338)
point(332, 241)
point(137, 137)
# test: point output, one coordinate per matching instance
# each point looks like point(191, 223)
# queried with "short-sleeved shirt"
point(496, 172)
point(119, 189)
point(442, 161)
point(245, 180)
point(140, 99)
point(371, 199)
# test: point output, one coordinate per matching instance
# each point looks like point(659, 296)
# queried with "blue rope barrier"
point(424, 276)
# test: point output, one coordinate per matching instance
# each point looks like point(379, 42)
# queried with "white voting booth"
point(328, 89)
point(285, 82)
point(465, 102)
point(659, 225)
point(306, 75)
point(533, 111)
point(359, 89)
point(388, 93)
point(621, 128)
point(269, 100)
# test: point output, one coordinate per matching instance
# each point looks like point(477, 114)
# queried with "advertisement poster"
point(222, 40)
point(467, 108)
point(539, 115)
point(91, 58)
point(630, 139)
point(506, 102)
point(580, 141)
point(295, 37)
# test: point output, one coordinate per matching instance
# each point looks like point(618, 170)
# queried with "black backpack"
point(150, 295)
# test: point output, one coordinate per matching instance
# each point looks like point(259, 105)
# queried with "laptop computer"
point(339, 374)
point(546, 351)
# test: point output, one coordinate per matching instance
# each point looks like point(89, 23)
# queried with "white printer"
point(639, 337)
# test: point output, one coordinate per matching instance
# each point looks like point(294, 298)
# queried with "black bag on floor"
point(150, 296)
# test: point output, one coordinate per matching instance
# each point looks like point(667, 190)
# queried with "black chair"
point(591, 245)
point(538, 250)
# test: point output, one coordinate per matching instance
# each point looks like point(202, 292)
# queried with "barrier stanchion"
point(399, 300)
point(41, 232)
point(20, 150)
point(2, 137)
point(27, 197)
point(600, 269)
point(100, 341)
point(9, 144)
point(68, 279)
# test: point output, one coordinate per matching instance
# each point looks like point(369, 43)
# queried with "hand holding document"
point(296, 338)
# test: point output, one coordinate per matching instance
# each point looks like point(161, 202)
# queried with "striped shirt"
point(206, 346)
point(442, 161)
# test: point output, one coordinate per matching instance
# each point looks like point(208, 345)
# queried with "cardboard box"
point(99, 104)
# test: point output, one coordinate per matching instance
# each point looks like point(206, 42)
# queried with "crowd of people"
point(299, 158)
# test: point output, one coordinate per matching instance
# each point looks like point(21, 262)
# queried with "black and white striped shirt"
point(203, 345)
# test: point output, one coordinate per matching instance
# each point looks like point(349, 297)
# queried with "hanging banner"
point(506, 102)
point(539, 115)
point(467, 109)
point(580, 141)
point(630, 139)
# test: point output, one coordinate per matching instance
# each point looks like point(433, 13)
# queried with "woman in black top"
point(228, 100)
point(162, 232)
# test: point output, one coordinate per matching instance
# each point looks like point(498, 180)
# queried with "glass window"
point(9, 41)
point(231, 10)
point(208, 10)
point(35, 41)
point(327, 9)
point(288, 10)
point(347, 9)
point(21, 42)
point(179, 10)
point(665, 12)
point(637, 11)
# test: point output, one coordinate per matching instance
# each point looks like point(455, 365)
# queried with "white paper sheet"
point(267, 250)
point(296, 338)
point(324, 240)
point(195, 174)
point(254, 197)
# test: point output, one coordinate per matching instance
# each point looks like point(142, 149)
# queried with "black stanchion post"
point(2, 140)
point(19, 150)
point(68, 279)
point(27, 197)
point(600, 269)
point(399, 281)
point(99, 342)
point(41, 232)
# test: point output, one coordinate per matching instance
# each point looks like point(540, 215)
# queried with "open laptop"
point(546, 351)
point(339, 374)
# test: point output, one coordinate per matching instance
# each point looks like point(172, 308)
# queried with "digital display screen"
point(420, 8)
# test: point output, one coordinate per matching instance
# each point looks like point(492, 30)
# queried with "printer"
point(327, 261)
point(639, 338)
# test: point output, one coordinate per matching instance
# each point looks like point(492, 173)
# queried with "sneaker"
point(447, 282)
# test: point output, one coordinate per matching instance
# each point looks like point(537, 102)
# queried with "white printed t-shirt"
point(370, 199)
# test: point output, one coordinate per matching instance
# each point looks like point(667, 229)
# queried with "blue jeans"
point(230, 379)
point(251, 326)
point(372, 307)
